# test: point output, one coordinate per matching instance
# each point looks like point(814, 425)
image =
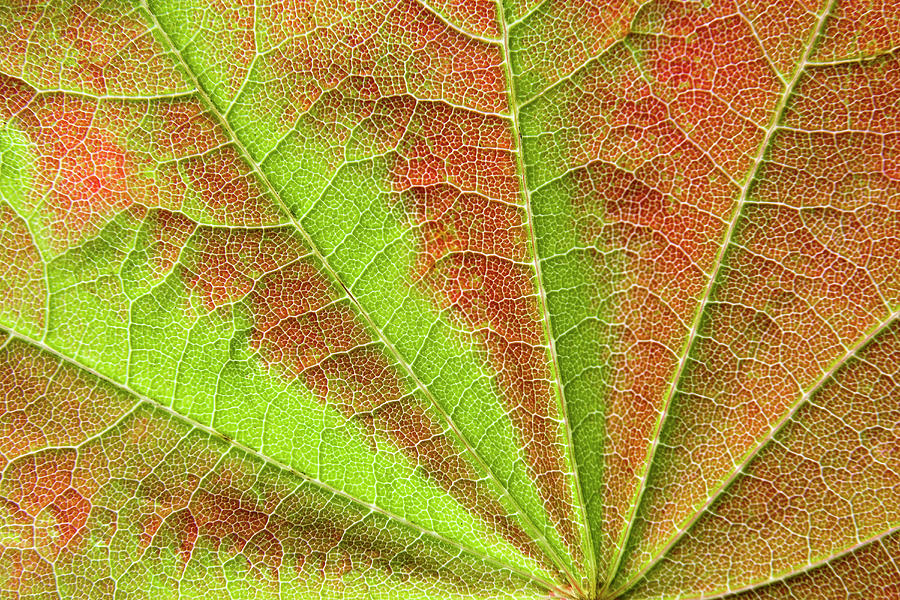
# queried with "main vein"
point(745, 461)
point(142, 399)
point(783, 577)
point(758, 161)
point(587, 544)
point(537, 534)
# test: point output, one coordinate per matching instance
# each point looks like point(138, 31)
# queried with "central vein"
point(590, 579)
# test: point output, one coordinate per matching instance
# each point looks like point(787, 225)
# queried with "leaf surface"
point(440, 299)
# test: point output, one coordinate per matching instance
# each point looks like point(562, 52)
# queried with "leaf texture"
point(406, 299)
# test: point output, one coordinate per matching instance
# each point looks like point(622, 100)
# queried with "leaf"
point(449, 299)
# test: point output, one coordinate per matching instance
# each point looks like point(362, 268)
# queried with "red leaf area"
point(22, 283)
point(37, 411)
point(169, 232)
point(476, 16)
point(192, 157)
point(228, 262)
point(272, 524)
point(224, 514)
point(427, 57)
point(96, 159)
point(798, 500)
point(79, 164)
point(812, 270)
point(48, 509)
point(46, 502)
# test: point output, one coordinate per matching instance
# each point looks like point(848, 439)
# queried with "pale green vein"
point(587, 543)
point(710, 287)
point(741, 464)
point(158, 406)
point(784, 577)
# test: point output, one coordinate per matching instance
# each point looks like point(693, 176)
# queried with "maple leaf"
point(408, 298)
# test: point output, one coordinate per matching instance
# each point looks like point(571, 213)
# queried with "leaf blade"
point(493, 268)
